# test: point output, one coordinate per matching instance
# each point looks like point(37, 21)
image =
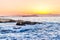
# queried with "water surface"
point(45, 31)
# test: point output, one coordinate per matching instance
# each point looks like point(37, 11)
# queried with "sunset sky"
point(27, 7)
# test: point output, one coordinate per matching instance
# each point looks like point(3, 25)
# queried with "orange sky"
point(25, 7)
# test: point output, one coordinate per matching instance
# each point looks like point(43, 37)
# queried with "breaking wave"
point(45, 31)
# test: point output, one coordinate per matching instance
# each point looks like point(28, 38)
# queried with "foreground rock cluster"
point(21, 22)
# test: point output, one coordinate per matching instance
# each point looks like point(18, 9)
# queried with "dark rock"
point(27, 22)
point(1, 22)
point(11, 21)
point(7, 20)
point(21, 22)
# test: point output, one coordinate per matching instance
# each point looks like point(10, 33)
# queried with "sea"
point(48, 30)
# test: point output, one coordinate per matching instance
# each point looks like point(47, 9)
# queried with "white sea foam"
point(45, 31)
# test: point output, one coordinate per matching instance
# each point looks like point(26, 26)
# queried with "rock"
point(12, 20)
point(7, 20)
point(27, 22)
point(21, 22)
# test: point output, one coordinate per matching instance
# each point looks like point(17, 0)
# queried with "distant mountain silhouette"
point(36, 15)
point(39, 15)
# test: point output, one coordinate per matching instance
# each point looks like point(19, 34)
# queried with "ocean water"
point(45, 31)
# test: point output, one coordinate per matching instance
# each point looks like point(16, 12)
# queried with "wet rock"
point(21, 22)
point(12, 20)
point(7, 20)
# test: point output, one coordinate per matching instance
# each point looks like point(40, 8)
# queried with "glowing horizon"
point(28, 7)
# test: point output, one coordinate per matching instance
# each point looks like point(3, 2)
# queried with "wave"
point(45, 31)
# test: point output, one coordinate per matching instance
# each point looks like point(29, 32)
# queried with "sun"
point(42, 9)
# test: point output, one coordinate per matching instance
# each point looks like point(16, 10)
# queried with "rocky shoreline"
point(22, 22)
point(19, 22)
point(7, 20)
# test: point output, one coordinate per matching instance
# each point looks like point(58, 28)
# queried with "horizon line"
point(33, 15)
